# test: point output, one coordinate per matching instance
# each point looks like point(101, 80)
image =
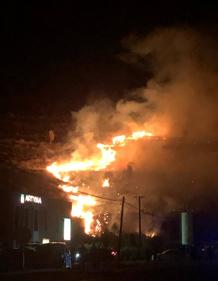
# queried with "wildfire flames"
point(82, 204)
point(151, 234)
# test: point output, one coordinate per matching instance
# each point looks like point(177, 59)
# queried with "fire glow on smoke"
point(178, 103)
point(82, 204)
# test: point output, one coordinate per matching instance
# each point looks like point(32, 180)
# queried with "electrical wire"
point(99, 197)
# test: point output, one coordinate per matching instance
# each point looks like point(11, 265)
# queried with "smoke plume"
point(179, 104)
point(177, 169)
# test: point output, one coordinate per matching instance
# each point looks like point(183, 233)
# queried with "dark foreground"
point(199, 271)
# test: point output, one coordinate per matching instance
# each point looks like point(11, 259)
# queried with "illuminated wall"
point(42, 216)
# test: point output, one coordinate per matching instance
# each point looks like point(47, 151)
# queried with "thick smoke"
point(178, 169)
point(178, 104)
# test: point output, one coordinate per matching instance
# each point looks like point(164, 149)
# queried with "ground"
point(199, 271)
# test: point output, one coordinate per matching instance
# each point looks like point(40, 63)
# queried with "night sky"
point(55, 56)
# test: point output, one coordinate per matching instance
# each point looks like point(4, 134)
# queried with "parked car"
point(51, 255)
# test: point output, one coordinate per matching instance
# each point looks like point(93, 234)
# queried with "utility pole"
point(121, 227)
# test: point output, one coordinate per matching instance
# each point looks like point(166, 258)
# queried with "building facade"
point(31, 218)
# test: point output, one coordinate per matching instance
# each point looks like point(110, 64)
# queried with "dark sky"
point(54, 56)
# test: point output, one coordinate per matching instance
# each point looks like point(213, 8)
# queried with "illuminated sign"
point(67, 229)
point(30, 198)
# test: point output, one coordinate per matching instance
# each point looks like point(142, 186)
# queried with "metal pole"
point(121, 227)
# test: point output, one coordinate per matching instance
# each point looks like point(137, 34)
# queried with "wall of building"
point(31, 218)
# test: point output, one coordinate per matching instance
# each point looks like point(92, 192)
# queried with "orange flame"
point(151, 234)
point(106, 182)
point(79, 209)
point(102, 160)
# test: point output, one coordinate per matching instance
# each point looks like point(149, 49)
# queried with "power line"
point(119, 201)
point(99, 197)
point(143, 211)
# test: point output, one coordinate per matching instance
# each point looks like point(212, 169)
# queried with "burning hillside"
point(102, 160)
point(159, 141)
point(177, 107)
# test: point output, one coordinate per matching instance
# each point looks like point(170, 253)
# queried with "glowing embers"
point(100, 223)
